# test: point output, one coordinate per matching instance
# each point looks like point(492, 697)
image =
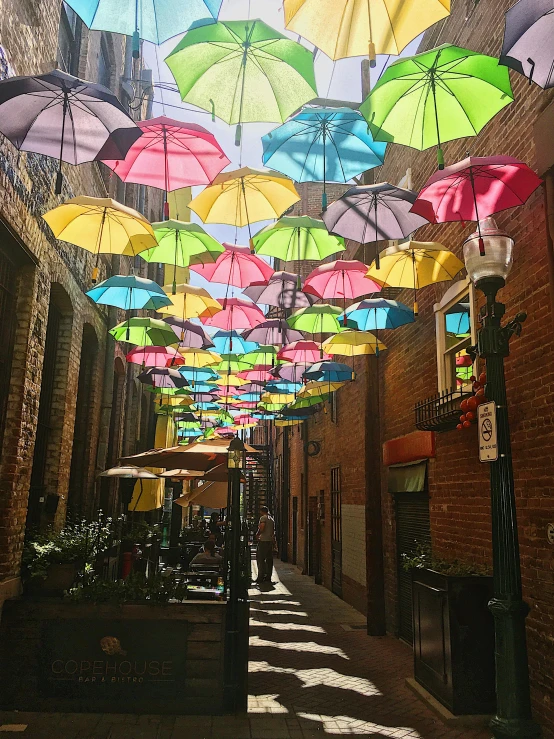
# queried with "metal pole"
point(513, 713)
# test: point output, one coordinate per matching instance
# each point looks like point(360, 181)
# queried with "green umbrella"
point(297, 237)
point(145, 332)
point(271, 407)
point(442, 94)
point(308, 402)
point(231, 363)
point(243, 71)
point(316, 319)
point(182, 244)
point(264, 356)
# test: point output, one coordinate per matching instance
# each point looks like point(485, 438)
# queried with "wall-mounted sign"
point(487, 428)
point(550, 533)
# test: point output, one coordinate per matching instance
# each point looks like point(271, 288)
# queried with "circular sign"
point(486, 429)
point(550, 533)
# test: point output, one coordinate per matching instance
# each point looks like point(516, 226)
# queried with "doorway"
point(336, 532)
point(294, 529)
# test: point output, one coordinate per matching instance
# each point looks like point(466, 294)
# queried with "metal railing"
point(440, 412)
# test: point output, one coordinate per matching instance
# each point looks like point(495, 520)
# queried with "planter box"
point(59, 578)
point(454, 640)
point(69, 657)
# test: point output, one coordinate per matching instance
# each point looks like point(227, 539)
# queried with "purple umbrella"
point(163, 377)
point(204, 397)
point(283, 289)
point(527, 46)
point(274, 331)
point(371, 213)
point(290, 371)
point(189, 334)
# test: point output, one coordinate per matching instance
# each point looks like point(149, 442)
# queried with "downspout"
point(304, 493)
point(549, 208)
point(285, 496)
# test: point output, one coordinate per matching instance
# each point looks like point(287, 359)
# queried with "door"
point(336, 533)
point(312, 536)
point(294, 529)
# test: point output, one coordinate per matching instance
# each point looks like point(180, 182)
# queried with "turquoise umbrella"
point(129, 292)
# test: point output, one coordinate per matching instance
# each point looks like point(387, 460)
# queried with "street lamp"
point(488, 272)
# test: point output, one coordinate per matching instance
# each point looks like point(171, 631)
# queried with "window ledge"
point(440, 412)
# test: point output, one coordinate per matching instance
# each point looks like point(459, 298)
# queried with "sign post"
point(488, 435)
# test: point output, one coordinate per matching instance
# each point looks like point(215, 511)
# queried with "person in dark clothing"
point(264, 553)
point(214, 527)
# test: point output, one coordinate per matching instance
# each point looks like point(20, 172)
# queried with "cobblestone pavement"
point(313, 673)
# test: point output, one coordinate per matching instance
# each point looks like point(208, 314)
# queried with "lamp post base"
point(516, 728)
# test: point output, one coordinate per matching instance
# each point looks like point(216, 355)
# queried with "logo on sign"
point(488, 441)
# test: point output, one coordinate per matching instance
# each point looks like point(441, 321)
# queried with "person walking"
point(264, 553)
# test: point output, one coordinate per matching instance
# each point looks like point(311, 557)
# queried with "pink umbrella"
point(246, 405)
point(245, 420)
point(236, 313)
point(236, 266)
point(340, 279)
point(256, 374)
point(475, 188)
point(171, 154)
point(155, 356)
point(307, 352)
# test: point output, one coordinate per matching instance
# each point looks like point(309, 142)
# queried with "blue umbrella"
point(330, 372)
point(458, 323)
point(323, 145)
point(229, 342)
point(283, 387)
point(203, 387)
point(198, 373)
point(263, 416)
point(377, 313)
point(250, 397)
point(208, 406)
point(129, 292)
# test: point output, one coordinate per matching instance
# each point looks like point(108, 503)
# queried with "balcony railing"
point(440, 412)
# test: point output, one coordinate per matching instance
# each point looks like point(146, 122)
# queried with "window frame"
point(451, 297)
point(73, 35)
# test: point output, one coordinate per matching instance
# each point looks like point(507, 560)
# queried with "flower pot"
point(59, 578)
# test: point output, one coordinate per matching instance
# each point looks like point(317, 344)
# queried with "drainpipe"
point(304, 493)
point(285, 496)
point(549, 205)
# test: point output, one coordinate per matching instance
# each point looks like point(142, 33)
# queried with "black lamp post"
point(488, 272)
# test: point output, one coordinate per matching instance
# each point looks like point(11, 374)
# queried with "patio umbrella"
point(323, 145)
point(436, 96)
point(527, 46)
point(282, 290)
point(235, 266)
point(189, 334)
point(236, 313)
point(415, 264)
point(129, 292)
point(155, 356)
point(243, 71)
point(346, 279)
point(101, 226)
point(65, 118)
point(475, 188)
point(296, 238)
point(378, 313)
point(144, 332)
point(343, 28)
point(129, 471)
point(303, 351)
point(227, 342)
point(163, 377)
point(195, 357)
point(191, 301)
point(181, 244)
point(353, 343)
point(273, 331)
point(330, 372)
point(368, 213)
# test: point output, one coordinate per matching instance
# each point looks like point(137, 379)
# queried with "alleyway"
point(313, 672)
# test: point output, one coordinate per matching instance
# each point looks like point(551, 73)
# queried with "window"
point(333, 402)
point(69, 40)
point(455, 326)
point(104, 66)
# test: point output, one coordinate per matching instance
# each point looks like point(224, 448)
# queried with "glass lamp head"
point(497, 260)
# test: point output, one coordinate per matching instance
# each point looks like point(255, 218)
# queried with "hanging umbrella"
point(343, 278)
point(255, 374)
point(243, 71)
point(144, 332)
point(65, 118)
point(235, 266)
point(232, 363)
point(199, 357)
point(101, 226)
point(264, 356)
point(202, 374)
point(252, 387)
point(378, 313)
point(343, 28)
point(330, 372)
point(475, 188)
point(273, 331)
point(368, 213)
point(313, 388)
point(317, 319)
point(163, 377)
point(458, 323)
point(353, 343)
point(244, 421)
point(191, 301)
point(181, 244)
point(155, 356)
point(227, 342)
point(303, 404)
point(249, 397)
point(323, 145)
point(129, 292)
point(189, 334)
point(415, 264)
point(231, 381)
point(297, 238)
point(436, 96)
point(305, 352)
point(271, 398)
point(283, 387)
point(291, 371)
point(527, 46)
point(282, 290)
point(236, 313)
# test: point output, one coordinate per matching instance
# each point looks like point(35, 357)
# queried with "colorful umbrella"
point(155, 356)
point(264, 356)
point(203, 374)
point(314, 388)
point(297, 238)
point(236, 313)
point(458, 322)
point(415, 264)
point(144, 332)
point(231, 363)
point(227, 342)
point(274, 331)
point(191, 301)
point(436, 96)
point(302, 404)
point(189, 335)
point(129, 292)
point(323, 145)
point(343, 278)
point(282, 290)
point(378, 313)
point(165, 377)
point(283, 386)
point(352, 343)
point(316, 319)
point(527, 46)
point(243, 71)
point(101, 226)
point(65, 118)
point(330, 372)
point(235, 266)
point(255, 374)
point(343, 28)
point(291, 371)
point(475, 188)
point(305, 352)
point(199, 357)
point(271, 398)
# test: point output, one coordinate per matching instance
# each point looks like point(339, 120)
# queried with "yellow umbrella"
point(319, 388)
point(190, 301)
point(232, 381)
point(244, 196)
point(415, 264)
point(199, 357)
point(101, 226)
point(343, 28)
point(288, 423)
point(173, 400)
point(351, 343)
point(278, 398)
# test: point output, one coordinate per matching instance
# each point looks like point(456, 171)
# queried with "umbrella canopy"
point(264, 356)
point(170, 155)
point(144, 332)
point(243, 71)
point(244, 196)
point(129, 292)
point(203, 374)
point(323, 145)
point(189, 335)
point(343, 28)
point(274, 331)
point(229, 342)
point(155, 356)
point(283, 290)
point(236, 313)
point(256, 374)
point(527, 46)
point(190, 301)
point(352, 343)
point(330, 372)
point(283, 387)
point(436, 96)
point(235, 266)
point(163, 377)
point(66, 118)
point(297, 238)
point(201, 455)
point(320, 318)
point(209, 495)
point(199, 357)
point(378, 313)
point(291, 371)
point(341, 279)
point(315, 388)
point(301, 405)
point(306, 352)
point(129, 471)
point(231, 363)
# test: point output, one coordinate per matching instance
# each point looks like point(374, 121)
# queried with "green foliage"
point(136, 587)
point(141, 534)
point(423, 558)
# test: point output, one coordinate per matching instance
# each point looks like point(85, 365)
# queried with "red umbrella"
point(305, 352)
point(474, 189)
point(155, 356)
point(256, 374)
point(236, 313)
point(236, 266)
point(340, 279)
